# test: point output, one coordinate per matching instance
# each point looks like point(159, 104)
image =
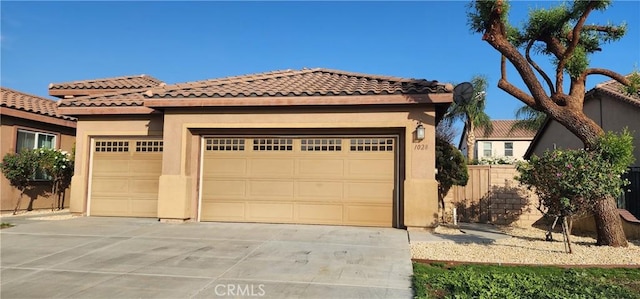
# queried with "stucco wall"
point(65, 139)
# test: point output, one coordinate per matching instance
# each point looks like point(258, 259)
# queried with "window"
point(33, 140)
point(508, 149)
point(149, 146)
point(371, 145)
point(114, 146)
point(224, 144)
point(321, 145)
point(273, 144)
point(487, 151)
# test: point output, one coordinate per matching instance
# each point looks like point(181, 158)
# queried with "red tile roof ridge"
point(107, 83)
point(262, 84)
point(12, 98)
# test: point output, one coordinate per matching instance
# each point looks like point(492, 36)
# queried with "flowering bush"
point(569, 181)
point(22, 168)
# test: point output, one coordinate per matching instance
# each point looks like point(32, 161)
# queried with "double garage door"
point(309, 180)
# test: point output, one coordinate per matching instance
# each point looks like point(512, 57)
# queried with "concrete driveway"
point(95, 257)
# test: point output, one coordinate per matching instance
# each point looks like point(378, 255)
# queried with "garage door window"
point(321, 145)
point(273, 144)
point(224, 144)
point(151, 146)
point(372, 145)
point(112, 146)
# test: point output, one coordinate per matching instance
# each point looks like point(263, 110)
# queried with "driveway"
point(96, 257)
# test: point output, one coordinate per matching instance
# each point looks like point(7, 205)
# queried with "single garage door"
point(310, 180)
point(124, 177)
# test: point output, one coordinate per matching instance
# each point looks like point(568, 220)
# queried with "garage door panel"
point(270, 211)
point(146, 167)
point(110, 185)
point(375, 192)
point(320, 213)
point(370, 169)
point(271, 167)
point(225, 166)
point(270, 189)
point(144, 185)
point(321, 167)
point(110, 166)
point(223, 211)
point(110, 206)
point(224, 189)
point(314, 190)
point(144, 207)
point(125, 177)
point(369, 215)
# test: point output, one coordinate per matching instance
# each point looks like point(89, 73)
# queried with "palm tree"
point(529, 119)
point(472, 114)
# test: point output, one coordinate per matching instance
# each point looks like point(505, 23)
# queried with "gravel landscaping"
point(527, 246)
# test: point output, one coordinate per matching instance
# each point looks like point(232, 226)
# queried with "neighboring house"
point(610, 107)
point(31, 122)
point(503, 142)
point(606, 104)
point(312, 146)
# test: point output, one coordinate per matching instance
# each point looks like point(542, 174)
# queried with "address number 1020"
point(420, 147)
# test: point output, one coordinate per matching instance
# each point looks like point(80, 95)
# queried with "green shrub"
point(569, 181)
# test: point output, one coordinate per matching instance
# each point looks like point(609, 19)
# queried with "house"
point(29, 121)
point(503, 142)
point(613, 109)
point(311, 146)
point(606, 104)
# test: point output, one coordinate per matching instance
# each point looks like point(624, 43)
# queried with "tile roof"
point(502, 129)
point(30, 103)
point(285, 83)
point(615, 89)
point(124, 82)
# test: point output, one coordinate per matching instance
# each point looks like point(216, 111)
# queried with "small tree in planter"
point(20, 169)
point(571, 181)
point(58, 165)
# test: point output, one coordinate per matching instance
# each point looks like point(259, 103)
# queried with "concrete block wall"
point(492, 195)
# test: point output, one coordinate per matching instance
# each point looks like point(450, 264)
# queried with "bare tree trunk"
point(608, 223)
point(15, 211)
point(471, 143)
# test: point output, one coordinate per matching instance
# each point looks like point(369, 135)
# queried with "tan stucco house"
point(311, 146)
point(29, 122)
point(502, 142)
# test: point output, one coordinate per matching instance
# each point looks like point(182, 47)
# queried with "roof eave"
point(18, 113)
point(435, 98)
point(104, 110)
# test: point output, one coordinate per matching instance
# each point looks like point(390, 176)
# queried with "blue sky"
point(45, 42)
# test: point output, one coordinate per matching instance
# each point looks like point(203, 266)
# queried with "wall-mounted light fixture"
point(420, 132)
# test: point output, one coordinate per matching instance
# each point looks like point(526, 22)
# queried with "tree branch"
point(496, 37)
point(518, 93)
point(537, 67)
point(622, 79)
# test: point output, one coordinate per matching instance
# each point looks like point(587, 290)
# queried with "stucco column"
point(174, 190)
point(420, 186)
